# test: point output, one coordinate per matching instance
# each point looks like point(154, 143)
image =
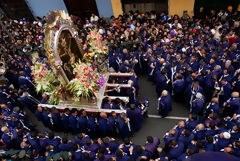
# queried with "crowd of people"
point(195, 60)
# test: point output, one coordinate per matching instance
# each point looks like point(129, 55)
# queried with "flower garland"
point(96, 46)
point(86, 81)
point(84, 84)
point(44, 78)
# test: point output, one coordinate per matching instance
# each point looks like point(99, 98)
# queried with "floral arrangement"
point(44, 78)
point(95, 45)
point(86, 81)
point(84, 84)
point(56, 95)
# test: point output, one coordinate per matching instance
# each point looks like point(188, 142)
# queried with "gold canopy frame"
point(62, 45)
point(63, 49)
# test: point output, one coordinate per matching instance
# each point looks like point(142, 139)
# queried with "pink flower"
point(58, 63)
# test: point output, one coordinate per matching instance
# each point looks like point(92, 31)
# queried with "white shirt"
point(95, 18)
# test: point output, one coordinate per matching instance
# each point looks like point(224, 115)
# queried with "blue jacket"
point(191, 92)
point(234, 104)
point(199, 135)
point(124, 158)
point(185, 140)
point(161, 82)
point(227, 91)
point(65, 147)
point(34, 143)
point(82, 141)
point(6, 138)
point(212, 107)
point(72, 122)
point(164, 105)
point(174, 153)
point(197, 106)
point(56, 119)
point(191, 124)
point(124, 128)
point(92, 126)
point(103, 126)
point(221, 143)
point(23, 81)
point(64, 121)
point(77, 155)
point(82, 124)
point(178, 86)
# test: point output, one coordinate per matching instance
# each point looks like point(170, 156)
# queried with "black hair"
point(187, 133)
point(66, 109)
point(179, 77)
point(101, 150)
point(150, 139)
point(199, 144)
point(89, 142)
point(119, 153)
point(139, 149)
point(33, 134)
point(100, 156)
point(85, 155)
point(214, 116)
point(74, 110)
point(51, 135)
point(117, 100)
point(237, 144)
point(126, 141)
point(75, 147)
point(224, 79)
point(190, 151)
point(163, 71)
point(194, 116)
point(80, 136)
point(64, 140)
point(105, 100)
point(203, 72)
point(81, 111)
point(209, 139)
point(172, 142)
point(211, 125)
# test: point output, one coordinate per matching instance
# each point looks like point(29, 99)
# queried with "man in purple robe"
point(164, 104)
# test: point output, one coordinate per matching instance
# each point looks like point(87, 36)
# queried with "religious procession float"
point(78, 74)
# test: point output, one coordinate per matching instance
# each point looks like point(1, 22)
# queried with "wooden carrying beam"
point(89, 109)
point(124, 99)
point(120, 74)
point(118, 85)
